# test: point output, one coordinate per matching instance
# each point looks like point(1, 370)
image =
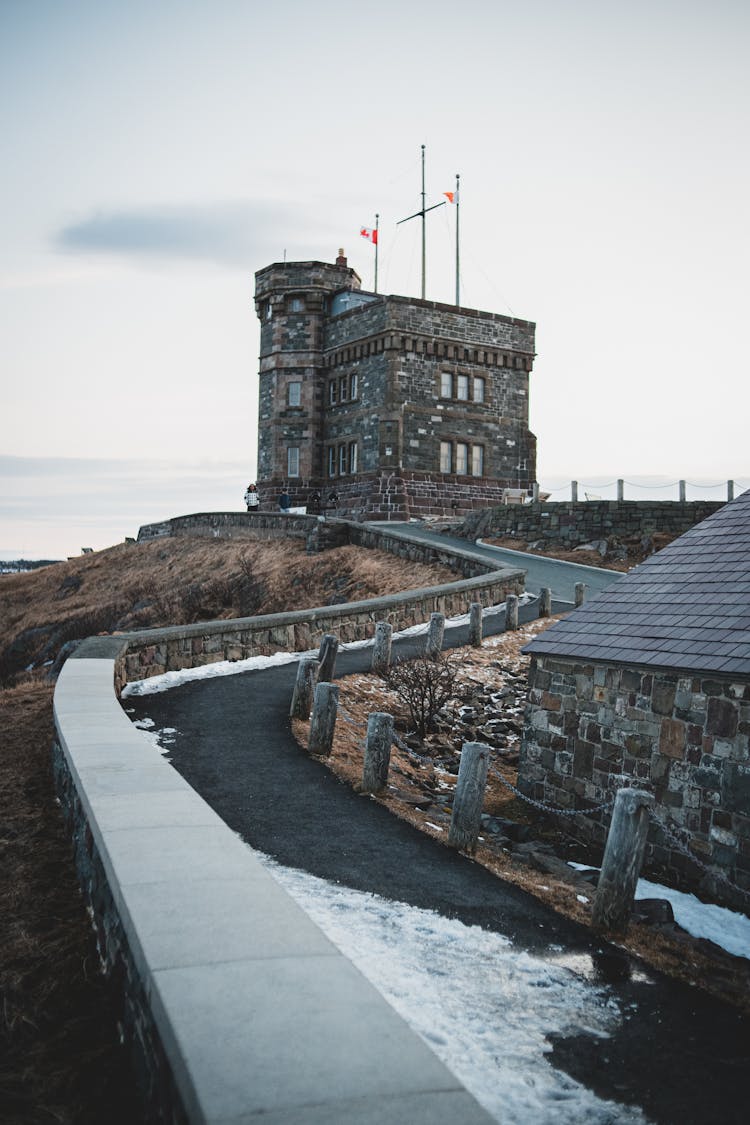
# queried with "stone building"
point(648, 685)
point(401, 406)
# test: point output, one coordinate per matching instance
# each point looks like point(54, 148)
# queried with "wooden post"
point(580, 593)
point(435, 632)
point(377, 752)
point(621, 490)
point(475, 624)
point(545, 602)
point(574, 491)
point(304, 688)
point(381, 653)
point(323, 721)
point(623, 856)
point(511, 612)
point(730, 490)
point(683, 494)
point(329, 646)
point(469, 796)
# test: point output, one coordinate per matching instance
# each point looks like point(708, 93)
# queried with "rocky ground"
point(614, 553)
point(519, 842)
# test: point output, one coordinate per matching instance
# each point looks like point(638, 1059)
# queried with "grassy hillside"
point(180, 581)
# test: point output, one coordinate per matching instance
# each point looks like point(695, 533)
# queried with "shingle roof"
point(687, 607)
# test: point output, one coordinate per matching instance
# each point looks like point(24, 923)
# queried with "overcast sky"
point(157, 153)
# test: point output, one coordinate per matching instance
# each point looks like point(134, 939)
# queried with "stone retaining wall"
point(592, 728)
point(570, 524)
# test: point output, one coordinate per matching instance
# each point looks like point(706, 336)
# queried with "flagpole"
point(424, 234)
point(377, 224)
point(458, 204)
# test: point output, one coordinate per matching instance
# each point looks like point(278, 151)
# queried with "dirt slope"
point(180, 581)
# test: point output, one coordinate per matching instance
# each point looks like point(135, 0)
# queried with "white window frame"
point(294, 392)
point(479, 388)
point(462, 385)
point(342, 460)
point(462, 459)
point(477, 460)
point(292, 460)
point(353, 457)
point(353, 385)
point(446, 384)
point(331, 461)
point(332, 399)
point(446, 457)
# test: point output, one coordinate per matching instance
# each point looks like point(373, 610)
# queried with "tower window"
point(292, 461)
point(332, 392)
point(478, 389)
point(296, 304)
point(352, 456)
point(477, 461)
point(462, 458)
point(462, 387)
point(294, 394)
point(332, 460)
point(446, 456)
point(446, 384)
point(353, 388)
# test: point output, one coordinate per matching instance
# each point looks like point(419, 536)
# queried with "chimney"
point(341, 260)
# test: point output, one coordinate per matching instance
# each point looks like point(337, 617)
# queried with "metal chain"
point(551, 808)
point(671, 833)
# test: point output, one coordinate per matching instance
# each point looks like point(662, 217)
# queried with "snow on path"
point(482, 1006)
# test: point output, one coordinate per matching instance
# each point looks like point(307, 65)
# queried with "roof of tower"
point(687, 607)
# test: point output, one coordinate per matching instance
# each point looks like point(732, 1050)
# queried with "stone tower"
point(402, 406)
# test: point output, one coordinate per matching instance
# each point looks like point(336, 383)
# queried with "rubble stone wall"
point(592, 728)
point(570, 524)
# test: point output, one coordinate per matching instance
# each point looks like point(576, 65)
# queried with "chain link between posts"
point(671, 833)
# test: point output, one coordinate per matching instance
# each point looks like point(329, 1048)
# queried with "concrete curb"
point(245, 1002)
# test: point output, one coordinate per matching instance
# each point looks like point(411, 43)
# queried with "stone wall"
point(232, 525)
point(569, 524)
point(592, 728)
point(155, 651)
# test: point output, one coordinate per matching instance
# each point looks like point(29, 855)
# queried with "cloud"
point(234, 234)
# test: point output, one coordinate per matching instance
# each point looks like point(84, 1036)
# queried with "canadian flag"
point(366, 232)
point(451, 196)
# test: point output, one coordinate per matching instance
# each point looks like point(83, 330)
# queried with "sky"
point(156, 154)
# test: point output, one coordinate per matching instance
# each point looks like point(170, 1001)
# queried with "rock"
point(653, 911)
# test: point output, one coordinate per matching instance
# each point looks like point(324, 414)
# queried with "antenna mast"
point(422, 214)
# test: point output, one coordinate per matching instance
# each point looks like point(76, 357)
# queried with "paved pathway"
point(681, 1056)
point(560, 576)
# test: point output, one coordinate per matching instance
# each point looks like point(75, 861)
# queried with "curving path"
point(681, 1057)
point(559, 575)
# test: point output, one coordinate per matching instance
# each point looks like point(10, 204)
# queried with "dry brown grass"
point(180, 581)
point(60, 1056)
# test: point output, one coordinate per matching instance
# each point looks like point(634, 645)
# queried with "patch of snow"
point(718, 924)
point(236, 667)
point(484, 1007)
point(724, 927)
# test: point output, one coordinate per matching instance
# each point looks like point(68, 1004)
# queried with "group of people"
point(252, 500)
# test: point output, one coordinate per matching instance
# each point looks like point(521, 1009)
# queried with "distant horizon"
point(52, 507)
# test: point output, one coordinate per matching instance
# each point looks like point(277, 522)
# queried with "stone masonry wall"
point(592, 728)
point(569, 524)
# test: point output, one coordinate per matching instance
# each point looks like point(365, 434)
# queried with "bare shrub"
point(424, 685)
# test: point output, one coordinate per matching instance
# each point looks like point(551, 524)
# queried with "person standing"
point(284, 502)
point(252, 499)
